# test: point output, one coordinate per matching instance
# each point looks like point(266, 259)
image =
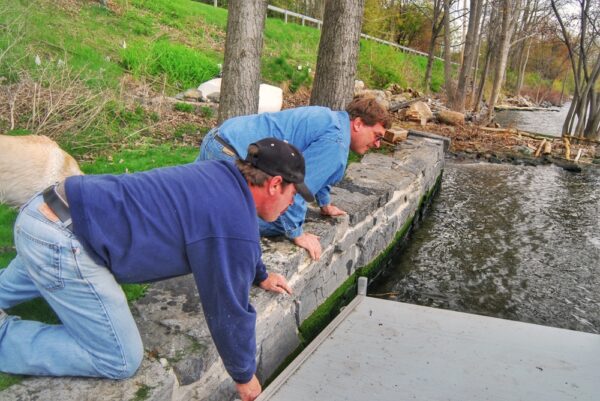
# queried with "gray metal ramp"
point(384, 350)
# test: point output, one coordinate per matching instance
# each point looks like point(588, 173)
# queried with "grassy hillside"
point(98, 62)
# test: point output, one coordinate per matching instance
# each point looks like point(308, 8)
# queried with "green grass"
point(207, 112)
point(7, 220)
point(7, 380)
point(170, 37)
point(380, 66)
point(280, 70)
point(184, 107)
point(145, 158)
point(142, 393)
point(184, 67)
point(169, 45)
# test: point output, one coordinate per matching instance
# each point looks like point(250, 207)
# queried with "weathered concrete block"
point(375, 241)
point(170, 329)
point(354, 233)
point(152, 378)
point(315, 291)
point(399, 200)
point(277, 333)
point(358, 202)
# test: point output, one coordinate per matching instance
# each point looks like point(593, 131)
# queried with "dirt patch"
point(506, 145)
point(171, 125)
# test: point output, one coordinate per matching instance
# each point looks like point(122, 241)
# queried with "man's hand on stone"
point(276, 283)
point(249, 391)
point(333, 211)
point(311, 243)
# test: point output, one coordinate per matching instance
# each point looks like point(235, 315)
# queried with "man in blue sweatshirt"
point(77, 240)
point(323, 136)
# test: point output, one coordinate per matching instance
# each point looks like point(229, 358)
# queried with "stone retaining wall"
point(381, 194)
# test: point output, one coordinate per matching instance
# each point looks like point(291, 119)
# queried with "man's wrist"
point(293, 234)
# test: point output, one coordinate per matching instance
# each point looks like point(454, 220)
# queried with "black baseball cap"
point(276, 157)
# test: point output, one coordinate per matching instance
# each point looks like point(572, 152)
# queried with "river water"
point(548, 122)
point(513, 242)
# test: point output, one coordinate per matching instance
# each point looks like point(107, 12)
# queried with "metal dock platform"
point(384, 350)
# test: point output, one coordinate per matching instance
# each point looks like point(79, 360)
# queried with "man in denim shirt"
point(323, 136)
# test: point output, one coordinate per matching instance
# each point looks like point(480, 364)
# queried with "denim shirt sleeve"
point(322, 196)
point(325, 163)
point(289, 223)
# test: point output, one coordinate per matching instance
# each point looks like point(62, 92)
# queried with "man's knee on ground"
point(131, 359)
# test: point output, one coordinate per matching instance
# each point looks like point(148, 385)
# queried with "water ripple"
point(513, 242)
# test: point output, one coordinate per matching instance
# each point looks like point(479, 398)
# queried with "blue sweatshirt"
point(323, 137)
point(197, 218)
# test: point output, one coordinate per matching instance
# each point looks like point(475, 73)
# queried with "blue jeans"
point(98, 336)
point(210, 149)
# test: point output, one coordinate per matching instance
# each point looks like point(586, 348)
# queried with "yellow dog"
point(30, 163)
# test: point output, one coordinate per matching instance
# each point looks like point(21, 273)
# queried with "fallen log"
point(567, 148)
point(538, 151)
point(519, 108)
point(402, 105)
point(547, 148)
point(577, 139)
point(492, 129)
point(566, 165)
point(450, 117)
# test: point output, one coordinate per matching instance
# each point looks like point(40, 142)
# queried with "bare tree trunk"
point(492, 44)
point(562, 91)
point(437, 23)
point(463, 32)
point(519, 47)
point(588, 105)
point(522, 64)
point(241, 66)
point(582, 118)
point(509, 10)
point(338, 54)
point(593, 128)
point(450, 86)
point(478, 57)
point(466, 69)
point(477, 101)
point(430, 58)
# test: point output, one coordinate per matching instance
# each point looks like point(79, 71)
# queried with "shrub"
point(207, 112)
point(183, 66)
point(380, 65)
point(280, 70)
point(139, 24)
point(184, 107)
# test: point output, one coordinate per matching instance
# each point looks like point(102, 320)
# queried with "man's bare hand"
point(276, 283)
point(330, 210)
point(311, 243)
point(249, 391)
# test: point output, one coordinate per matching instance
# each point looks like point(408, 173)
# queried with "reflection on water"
point(547, 122)
point(513, 242)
